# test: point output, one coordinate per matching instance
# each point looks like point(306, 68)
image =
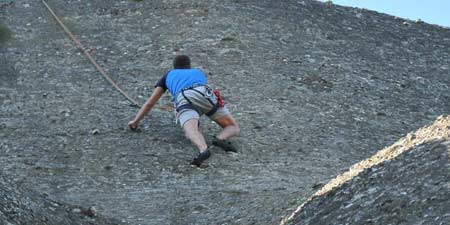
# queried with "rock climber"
point(192, 98)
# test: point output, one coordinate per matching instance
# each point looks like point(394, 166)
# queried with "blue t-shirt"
point(177, 79)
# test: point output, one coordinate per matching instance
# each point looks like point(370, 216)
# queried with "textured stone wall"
point(406, 183)
point(20, 205)
point(315, 88)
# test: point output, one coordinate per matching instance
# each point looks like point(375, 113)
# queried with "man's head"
point(181, 62)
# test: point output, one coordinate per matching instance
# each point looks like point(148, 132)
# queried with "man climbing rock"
point(193, 98)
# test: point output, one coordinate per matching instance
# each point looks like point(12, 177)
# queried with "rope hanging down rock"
point(99, 68)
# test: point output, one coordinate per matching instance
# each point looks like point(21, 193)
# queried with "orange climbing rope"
point(99, 68)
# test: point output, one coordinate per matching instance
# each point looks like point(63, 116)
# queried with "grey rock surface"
point(315, 87)
point(413, 188)
point(20, 205)
point(408, 174)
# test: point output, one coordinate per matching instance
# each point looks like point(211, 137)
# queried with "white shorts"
point(200, 102)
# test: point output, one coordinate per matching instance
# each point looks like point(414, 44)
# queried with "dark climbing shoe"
point(224, 144)
point(197, 161)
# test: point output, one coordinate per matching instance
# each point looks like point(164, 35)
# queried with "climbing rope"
point(99, 68)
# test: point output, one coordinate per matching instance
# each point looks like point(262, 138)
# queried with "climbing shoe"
point(197, 161)
point(224, 144)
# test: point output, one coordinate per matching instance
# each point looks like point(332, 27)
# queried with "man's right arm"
point(156, 95)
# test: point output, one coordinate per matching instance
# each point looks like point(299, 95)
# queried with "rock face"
point(315, 87)
point(409, 185)
point(24, 206)
point(412, 189)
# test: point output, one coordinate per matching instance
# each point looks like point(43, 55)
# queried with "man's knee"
point(238, 129)
point(190, 125)
point(226, 121)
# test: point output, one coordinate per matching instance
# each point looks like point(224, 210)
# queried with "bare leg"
point(230, 127)
point(191, 131)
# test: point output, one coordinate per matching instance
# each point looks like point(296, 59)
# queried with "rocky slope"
point(406, 183)
point(315, 87)
point(24, 206)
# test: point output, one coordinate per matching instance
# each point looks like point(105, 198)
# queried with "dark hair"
point(181, 62)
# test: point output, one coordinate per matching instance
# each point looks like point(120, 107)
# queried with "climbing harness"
point(99, 68)
point(209, 95)
point(220, 100)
